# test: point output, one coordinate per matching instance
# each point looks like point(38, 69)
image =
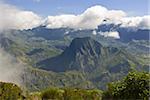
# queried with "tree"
point(134, 86)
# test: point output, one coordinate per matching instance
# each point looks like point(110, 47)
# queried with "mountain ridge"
point(83, 54)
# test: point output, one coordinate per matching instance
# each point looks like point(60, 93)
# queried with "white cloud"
point(14, 18)
point(94, 16)
point(60, 21)
point(89, 19)
point(94, 32)
point(113, 34)
point(137, 22)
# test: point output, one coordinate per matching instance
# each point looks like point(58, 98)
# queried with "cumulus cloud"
point(137, 22)
point(89, 19)
point(60, 21)
point(113, 34)
point(94, 16)
point(14, 18)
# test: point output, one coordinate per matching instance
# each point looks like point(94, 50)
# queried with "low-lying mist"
point(11, 70)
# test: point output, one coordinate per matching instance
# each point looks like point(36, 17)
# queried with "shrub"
point(71, 94)
point(10, 91)
point(52, 93)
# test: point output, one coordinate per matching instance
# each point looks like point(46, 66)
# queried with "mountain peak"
point(82, 41)
point(84, 54)
point(85, 45)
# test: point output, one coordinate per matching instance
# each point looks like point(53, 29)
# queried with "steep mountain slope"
point(5, 42)
point(37, 79)
point(87, 55)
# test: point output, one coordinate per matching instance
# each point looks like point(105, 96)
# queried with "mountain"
point(73, 59)
point(97, 63)
point(49, 34)
point(86, 55)
point(126, 34)
point(5, 42)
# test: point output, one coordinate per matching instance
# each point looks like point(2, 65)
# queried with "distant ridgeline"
point(126, 34)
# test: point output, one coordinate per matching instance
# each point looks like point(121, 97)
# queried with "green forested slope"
point(86, 63)
point(134, 86)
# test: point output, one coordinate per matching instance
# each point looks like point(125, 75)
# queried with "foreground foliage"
point(134, 86)
point(71, 94)
point(10, 91)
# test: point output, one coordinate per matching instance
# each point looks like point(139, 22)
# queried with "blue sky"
point(55, 7)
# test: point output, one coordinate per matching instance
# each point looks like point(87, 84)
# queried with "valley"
point(78, 59)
